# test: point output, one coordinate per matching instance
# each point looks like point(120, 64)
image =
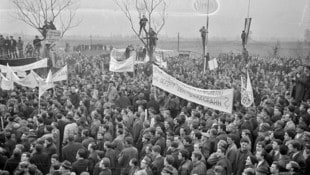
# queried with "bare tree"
point(154, 10)
point(36, 12)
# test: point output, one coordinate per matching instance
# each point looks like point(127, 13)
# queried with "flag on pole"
point(61, 74)
point(247, 26)
point(247, 97)
point(47, 84)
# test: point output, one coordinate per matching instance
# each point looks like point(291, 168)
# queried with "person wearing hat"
point(65, 168)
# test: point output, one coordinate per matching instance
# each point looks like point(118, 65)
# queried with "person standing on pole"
point(203, 32)
point(243, 38)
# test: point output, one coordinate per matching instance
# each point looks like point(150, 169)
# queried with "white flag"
point(122, 66)
point(247, 97)
point(61, 74)
point(47, 84)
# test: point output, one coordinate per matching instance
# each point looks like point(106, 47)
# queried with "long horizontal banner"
point(221, 100)
point(18, 62)
point(36, 65)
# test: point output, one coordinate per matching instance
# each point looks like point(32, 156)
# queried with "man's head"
point(183, 155)
point(81, 154)
point(244, 144)
point(260, 155)
point(196, 156)
point(169, 160)
point(275, 168)
point(156, 150)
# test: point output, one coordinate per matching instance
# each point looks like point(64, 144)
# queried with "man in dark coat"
point(302, 87)
point(186, 165)
point(241, 156)
point(13, 47)
point(69, 151)
point(158, 162)
point(41, 159)
point(12, 163)
point(199, 167)
point(126, 155)
point(82, 163)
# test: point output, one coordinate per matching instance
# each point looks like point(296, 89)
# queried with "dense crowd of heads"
point(99, 122)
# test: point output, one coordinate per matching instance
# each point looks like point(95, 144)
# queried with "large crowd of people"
point(104, 123)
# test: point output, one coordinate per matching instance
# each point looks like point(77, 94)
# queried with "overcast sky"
point(277, 19)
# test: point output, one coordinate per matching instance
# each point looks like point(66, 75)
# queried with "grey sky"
point(277, 19)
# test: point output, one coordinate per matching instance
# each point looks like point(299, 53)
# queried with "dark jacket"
point(11, 164)
point(125, 156)
point(42, 161)
point(80, 166)
point(69, 151)
point(157, 165)
point(241, 156)
point(199, 168)
point(185, 167)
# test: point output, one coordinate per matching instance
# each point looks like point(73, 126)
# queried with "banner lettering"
point(221, 100)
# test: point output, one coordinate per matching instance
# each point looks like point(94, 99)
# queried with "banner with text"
point(39, 64)
point(221, 100)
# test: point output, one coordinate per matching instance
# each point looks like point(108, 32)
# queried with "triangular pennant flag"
point(247, 98)
point(47, 84)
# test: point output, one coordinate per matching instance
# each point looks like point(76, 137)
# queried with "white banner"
point(39, 64)
point(122, 66)
point(29, 81)
point(213, 64)
point(221, 100)
point(61, 74)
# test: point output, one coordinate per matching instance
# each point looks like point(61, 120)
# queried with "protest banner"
point(213, 64)
point(122, 66)
point(29, 81)
point(221, 100)
point(18, 62)
point(53, 35)
point(39, 64)
point(61, 74)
